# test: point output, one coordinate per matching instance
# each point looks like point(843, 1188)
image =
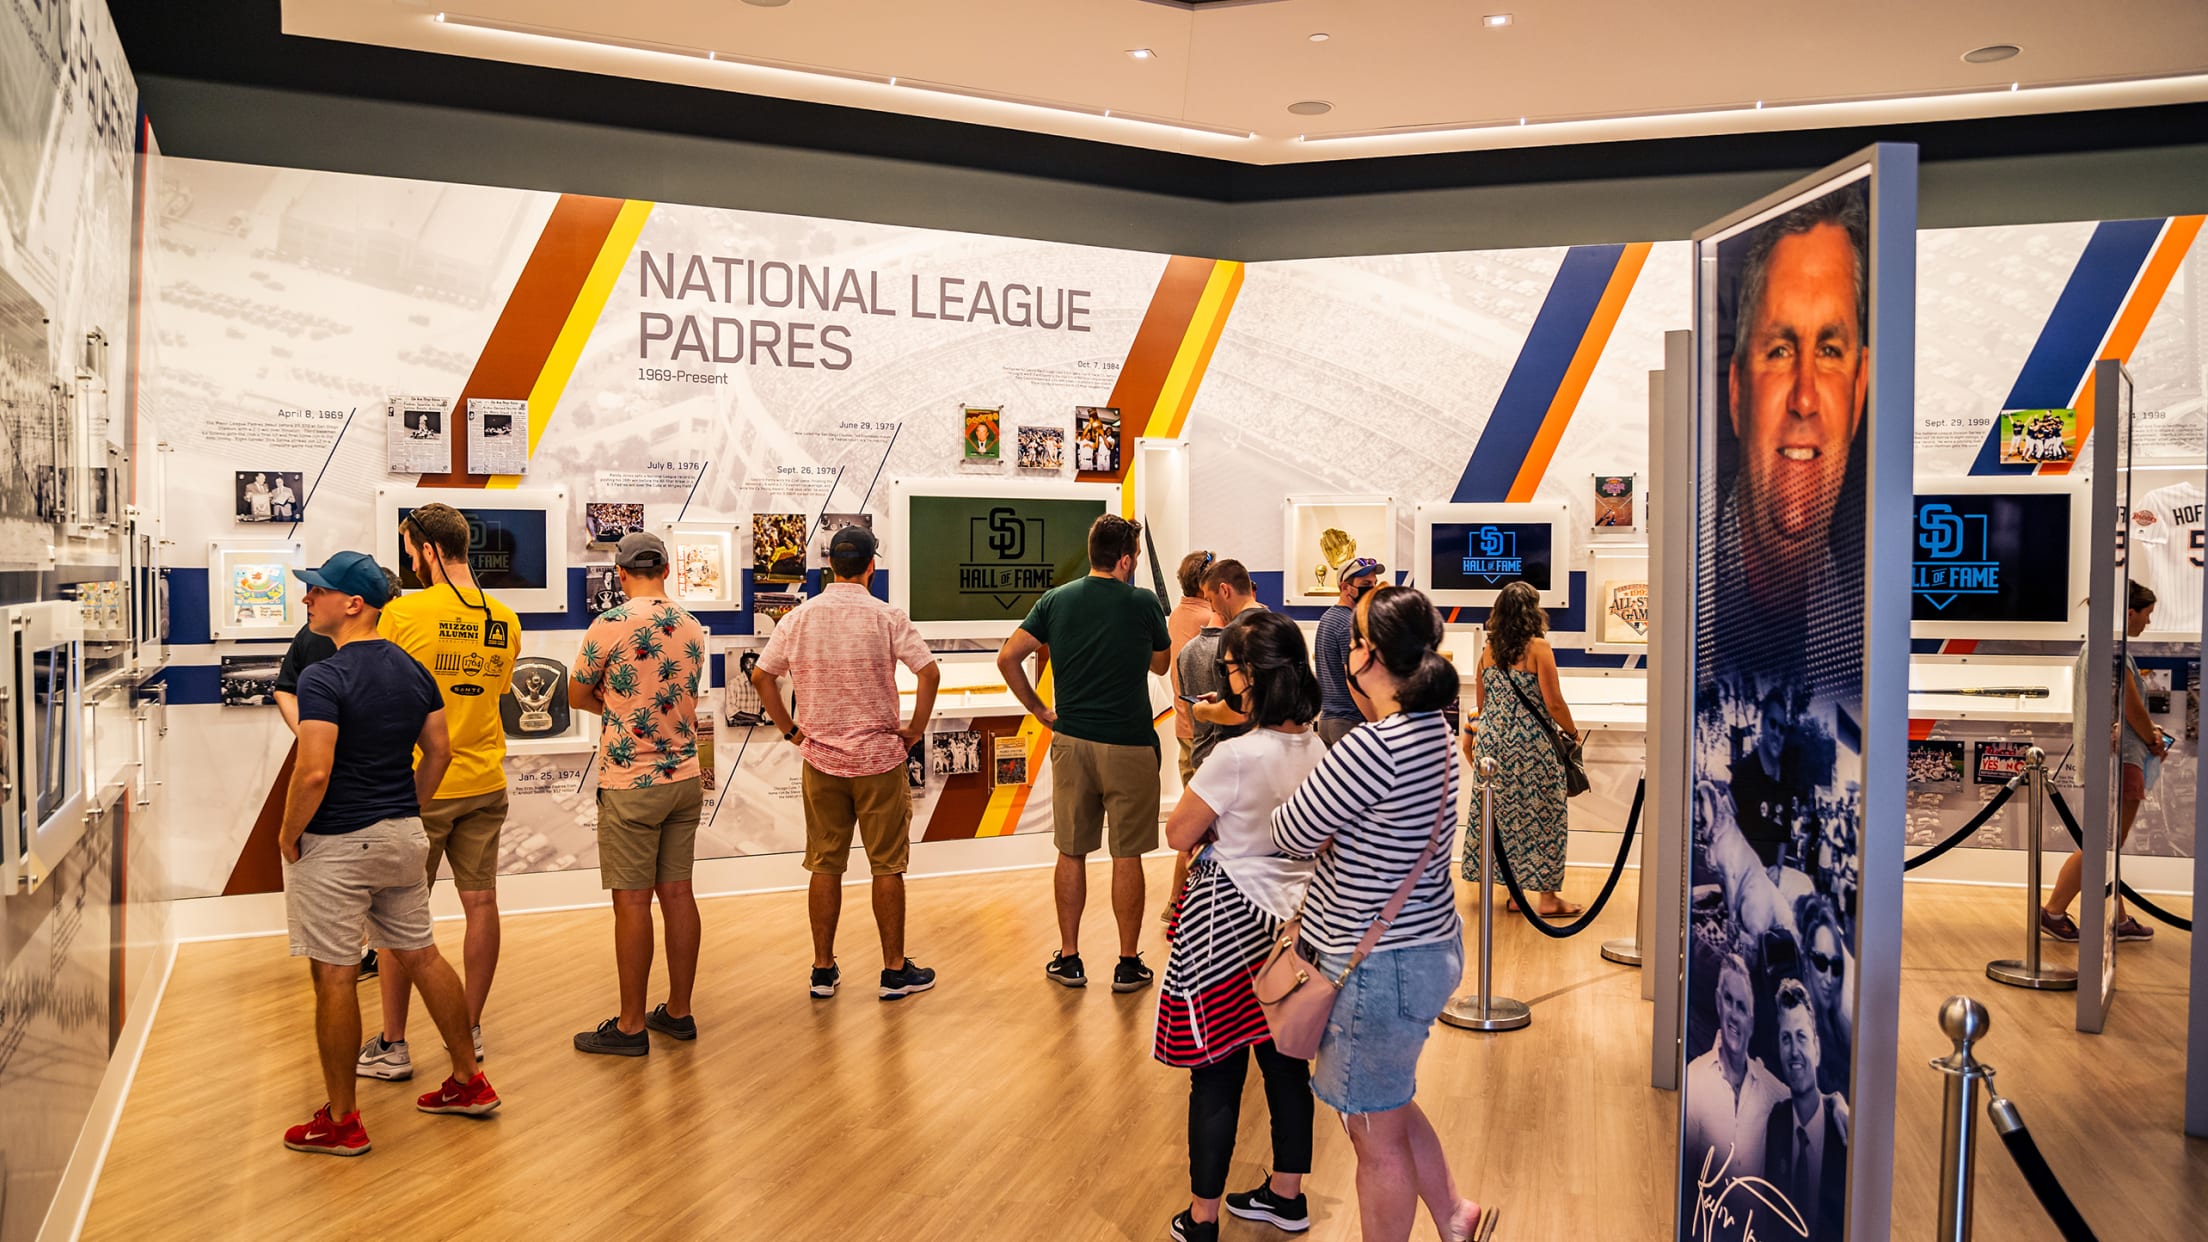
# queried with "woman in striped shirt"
point(1240, 890)
point(1376, 810)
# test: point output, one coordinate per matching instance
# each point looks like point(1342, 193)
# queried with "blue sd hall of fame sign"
point(1491, 555)
point(1952, 558)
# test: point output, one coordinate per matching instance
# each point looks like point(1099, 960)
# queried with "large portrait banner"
point(1788, 471)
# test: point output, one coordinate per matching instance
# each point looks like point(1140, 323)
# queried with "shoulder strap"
point(1402, 893)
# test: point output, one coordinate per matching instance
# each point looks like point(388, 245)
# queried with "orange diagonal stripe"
point(2146, 298)
point(1591, 344)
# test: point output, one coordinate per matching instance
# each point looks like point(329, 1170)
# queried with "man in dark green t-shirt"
point(1106, 637)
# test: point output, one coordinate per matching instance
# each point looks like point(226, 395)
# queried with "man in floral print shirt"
point(640, 668)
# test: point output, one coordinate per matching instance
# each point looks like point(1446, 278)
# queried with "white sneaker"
point(389, 1062)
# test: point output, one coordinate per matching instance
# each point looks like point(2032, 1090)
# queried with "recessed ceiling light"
point(1310, 107)
point(768, 4)
point(1320, 36)
point(1990, 53)
point(1141, 53)
point(1495, 20)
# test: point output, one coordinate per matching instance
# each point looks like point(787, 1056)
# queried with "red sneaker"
point(473, 1098)
point(341, 1137)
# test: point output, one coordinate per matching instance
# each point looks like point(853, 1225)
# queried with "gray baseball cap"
point(640, 550)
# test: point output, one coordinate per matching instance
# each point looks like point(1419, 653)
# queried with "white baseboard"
point(73, 1197)
point(262, 914)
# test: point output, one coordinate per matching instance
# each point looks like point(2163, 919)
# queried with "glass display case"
point(42, 731)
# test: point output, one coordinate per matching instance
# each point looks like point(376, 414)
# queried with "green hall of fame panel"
point(987, 559)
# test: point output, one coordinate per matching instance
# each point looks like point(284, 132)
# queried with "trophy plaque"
point(536, 706)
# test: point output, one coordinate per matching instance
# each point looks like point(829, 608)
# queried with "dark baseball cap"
point(640, 549)
point(852, 543)
point(350, 573)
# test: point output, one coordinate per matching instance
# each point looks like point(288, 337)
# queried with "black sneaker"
point(907, 979)
point(1066, 970)
point(608, 1040)
point(1187, 1228)
point(1131, 975)
point(826, 979)
point(685, 1028)
point(368, 964)
point(1293, 1215)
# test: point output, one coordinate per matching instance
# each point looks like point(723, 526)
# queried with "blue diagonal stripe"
point(1538, 373)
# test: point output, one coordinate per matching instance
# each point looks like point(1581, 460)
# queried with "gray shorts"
point(368, 880)
point(1333, 729)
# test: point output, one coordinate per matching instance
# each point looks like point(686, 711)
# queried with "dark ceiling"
point(241, 42)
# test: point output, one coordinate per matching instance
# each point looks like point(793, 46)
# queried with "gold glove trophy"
point(1339, 548)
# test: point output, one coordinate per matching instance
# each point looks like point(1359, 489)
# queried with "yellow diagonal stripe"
point(1178, 392)
point(582, 319)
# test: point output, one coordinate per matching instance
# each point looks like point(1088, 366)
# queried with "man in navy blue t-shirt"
point(354, 848)
point(1338, 712)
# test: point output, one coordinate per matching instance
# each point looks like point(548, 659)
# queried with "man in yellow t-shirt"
point(468, 642)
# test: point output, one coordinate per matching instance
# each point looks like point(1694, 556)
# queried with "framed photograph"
point(251, 592)
point(414, 435)
point(1042, 448)
point(270, 495)
point(1466, 554)
point(1933, 762)
point(2036, 437)
point(1994, 763)
point(993, 547)
point(1614, 502)
point(954, 752)
point(702, 558)
point(1999, 556)
point(984, 433)
point(1325, 533)
point(1096, 442)
point(250, 680)
point(916, 766)
point(606, 521)
point(778, 542)
point(517, 540)
point(601, 590)
point(740, 705)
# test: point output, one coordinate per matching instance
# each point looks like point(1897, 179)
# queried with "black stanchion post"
point(1487, 1011)
point(2027, 971)
point(1965, 1021)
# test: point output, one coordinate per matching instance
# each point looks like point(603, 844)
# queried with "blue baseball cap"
point(350, 573)
point(1360, 567)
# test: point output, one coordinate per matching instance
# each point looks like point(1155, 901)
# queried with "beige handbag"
point(1295, 1009)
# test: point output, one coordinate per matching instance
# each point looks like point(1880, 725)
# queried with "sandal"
point(1569, 911)
point(1483, 1226)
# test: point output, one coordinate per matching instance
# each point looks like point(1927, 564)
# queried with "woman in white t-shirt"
point(1240, 890)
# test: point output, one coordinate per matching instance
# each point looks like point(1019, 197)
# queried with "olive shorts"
point(878, 806)
point(1091, 782)
point(648, 836)
point(466, 830)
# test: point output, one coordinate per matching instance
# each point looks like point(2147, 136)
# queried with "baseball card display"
point(2166, 535)
point(414, 436)
point(1011, 756)
point(1625, 611)
point(1614, 502)
point(1042, 448)
point(984, 436)
point(498, 436)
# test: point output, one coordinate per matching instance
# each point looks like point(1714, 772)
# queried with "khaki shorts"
point(367, 880)
point(648, 836)
point(1188, 759)
point(1090, 781)
point(879, 806)
point(465, 830)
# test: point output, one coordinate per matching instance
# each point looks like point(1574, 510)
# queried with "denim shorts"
point(1368, 1059)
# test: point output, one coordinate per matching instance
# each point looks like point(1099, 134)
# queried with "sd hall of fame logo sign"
point(1491, 555)
point(1952, 559)
point(1006, 557)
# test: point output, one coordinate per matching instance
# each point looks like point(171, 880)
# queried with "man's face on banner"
point(1736, 1011)
point(1798, 381)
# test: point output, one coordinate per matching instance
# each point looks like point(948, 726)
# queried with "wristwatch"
point(790, 734)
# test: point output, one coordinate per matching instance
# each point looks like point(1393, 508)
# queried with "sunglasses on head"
point(1792, 995)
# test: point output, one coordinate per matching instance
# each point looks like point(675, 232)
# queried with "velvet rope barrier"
point(2070, 824)
point(1609, 886)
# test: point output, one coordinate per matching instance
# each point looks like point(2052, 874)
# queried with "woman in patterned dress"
point(1530, 818)
point(1240, 890)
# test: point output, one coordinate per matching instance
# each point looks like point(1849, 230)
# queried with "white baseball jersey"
point(2167, 533)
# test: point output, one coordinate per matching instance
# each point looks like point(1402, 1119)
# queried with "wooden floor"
point(1002, 1107)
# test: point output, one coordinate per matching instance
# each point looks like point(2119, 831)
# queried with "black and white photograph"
point(825, 529)
point(916, 766)
point(250, 680)
point(1777, 749)
point(740, 706)
point(270, 496)
point(954, 752)
point(601, 590)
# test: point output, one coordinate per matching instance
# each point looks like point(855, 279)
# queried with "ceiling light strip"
point(886, 81)
point(1758, 106)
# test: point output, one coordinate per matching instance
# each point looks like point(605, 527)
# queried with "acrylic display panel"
point(251, 592)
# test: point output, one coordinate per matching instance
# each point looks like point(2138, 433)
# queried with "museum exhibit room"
point(819, 619)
